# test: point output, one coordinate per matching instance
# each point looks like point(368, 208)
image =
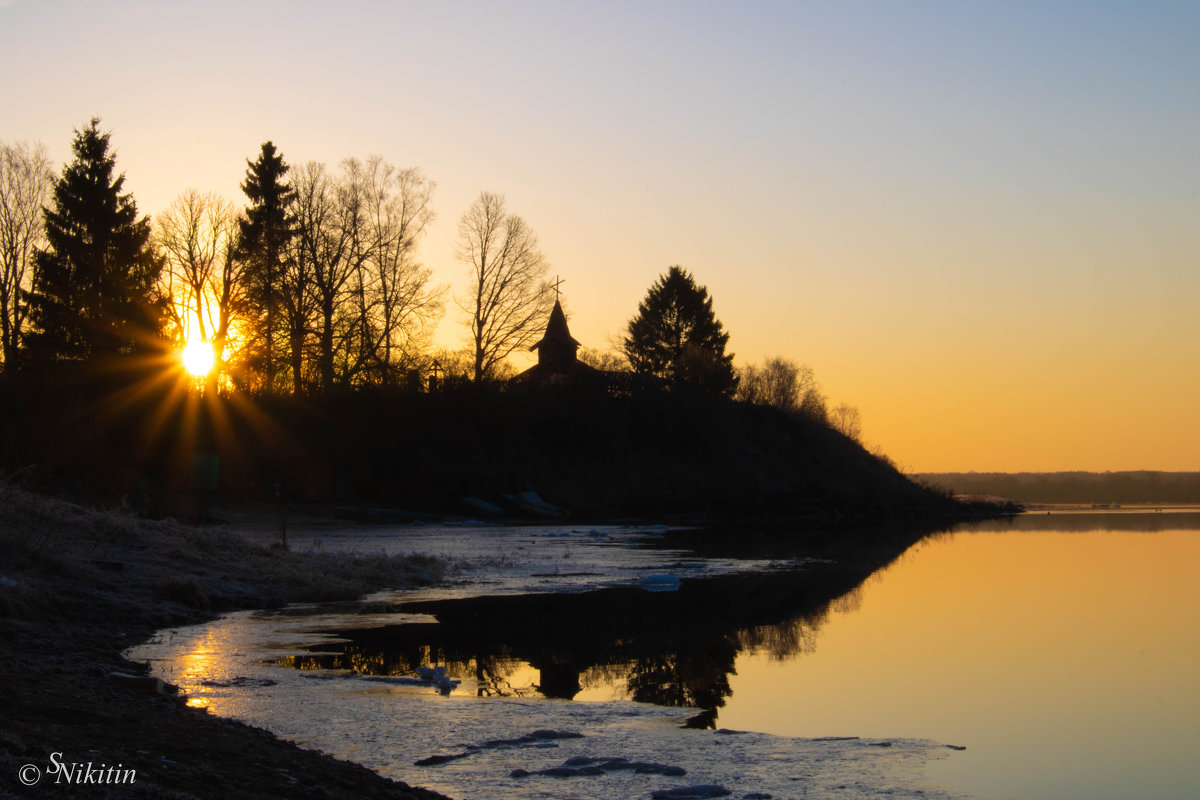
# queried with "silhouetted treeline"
point(114, 437)
point(1074, 487)
point(305, 321)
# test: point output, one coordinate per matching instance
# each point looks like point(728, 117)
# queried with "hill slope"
point(653, 453)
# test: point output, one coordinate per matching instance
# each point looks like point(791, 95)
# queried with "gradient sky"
point(979, 222)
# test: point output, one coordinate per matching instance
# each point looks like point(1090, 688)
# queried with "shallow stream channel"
point(568, 662)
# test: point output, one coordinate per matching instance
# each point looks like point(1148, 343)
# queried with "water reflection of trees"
point(695, 680)
point(674, 649)
point(495, 673)
point(785, 640)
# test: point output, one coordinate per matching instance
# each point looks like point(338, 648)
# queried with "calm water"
point(1061, 651)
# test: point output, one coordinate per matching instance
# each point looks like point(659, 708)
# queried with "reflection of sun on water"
point(197, 358)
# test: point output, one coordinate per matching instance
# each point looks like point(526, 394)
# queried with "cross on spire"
point(557, 282)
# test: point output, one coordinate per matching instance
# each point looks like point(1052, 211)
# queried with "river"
point(1052, 656)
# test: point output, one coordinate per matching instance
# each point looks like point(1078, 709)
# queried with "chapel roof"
point(556, 329)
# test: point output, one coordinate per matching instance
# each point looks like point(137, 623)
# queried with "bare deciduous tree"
point(329, 241)
point(612, 360)
point(452, 366)
point(778, 382)
point(846, 420)
point(397, 305)
point(814, 406)
point(26, 183)
point(509, 298)
point(369, 306)
point(197, 237)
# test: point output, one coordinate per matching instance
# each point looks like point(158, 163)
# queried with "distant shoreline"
point(1079, 508)
point(1127, 488)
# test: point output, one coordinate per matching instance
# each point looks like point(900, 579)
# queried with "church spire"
point(557, 347)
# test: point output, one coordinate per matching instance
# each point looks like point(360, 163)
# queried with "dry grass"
point(79, 585)
point(52, 551)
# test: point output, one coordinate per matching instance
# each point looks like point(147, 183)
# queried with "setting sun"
point(197, 358)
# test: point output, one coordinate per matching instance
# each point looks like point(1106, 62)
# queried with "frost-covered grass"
point(53, 551)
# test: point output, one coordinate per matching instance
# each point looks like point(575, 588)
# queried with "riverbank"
point(79, 586)
point(621, 639)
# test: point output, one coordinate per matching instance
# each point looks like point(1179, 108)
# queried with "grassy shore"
point(78, 586)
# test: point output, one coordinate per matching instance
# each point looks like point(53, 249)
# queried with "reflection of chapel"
point(557, 361)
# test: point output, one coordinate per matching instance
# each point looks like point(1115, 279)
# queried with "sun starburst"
point(197, 358)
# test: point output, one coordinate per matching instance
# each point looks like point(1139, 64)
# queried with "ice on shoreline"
point(228, 667)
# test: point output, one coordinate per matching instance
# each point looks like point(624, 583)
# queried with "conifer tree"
point(266, 230)
point(94, 284)
point(676, 336)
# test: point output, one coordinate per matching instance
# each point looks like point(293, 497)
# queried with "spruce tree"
point(676, 336)
point(94, 292)
point(266, 230)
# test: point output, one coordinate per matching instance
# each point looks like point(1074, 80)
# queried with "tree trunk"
point(297, 342)
point(10, 344)
point(327, 345)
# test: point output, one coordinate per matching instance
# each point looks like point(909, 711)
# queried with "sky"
point(978, 222)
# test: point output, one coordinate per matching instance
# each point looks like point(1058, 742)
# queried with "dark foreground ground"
point(79, 586)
